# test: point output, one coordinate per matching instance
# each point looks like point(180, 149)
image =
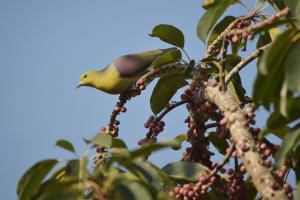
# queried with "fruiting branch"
point(261, 175)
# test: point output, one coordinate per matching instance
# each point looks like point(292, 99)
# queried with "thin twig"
point(222, 63)
point(244, 62)
point(221, 164)
point(168, 109)
point(162, 114)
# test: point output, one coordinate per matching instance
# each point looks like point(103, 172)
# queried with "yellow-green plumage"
point(117, 77)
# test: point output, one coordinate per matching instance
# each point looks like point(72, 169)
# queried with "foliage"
point(121, 173)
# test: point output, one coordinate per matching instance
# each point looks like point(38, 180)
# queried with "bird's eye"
point(85, 76)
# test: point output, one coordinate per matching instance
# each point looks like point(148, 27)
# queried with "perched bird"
point(117, 77)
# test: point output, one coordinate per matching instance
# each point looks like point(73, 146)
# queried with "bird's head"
point(87, 79)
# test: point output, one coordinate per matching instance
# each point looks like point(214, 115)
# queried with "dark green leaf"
point(235, 84)
point(263, 39)
point(188, 171)
point(167, 57)
point(180, 139)
point(251, 190)
point(133, 190)
point(150, 148)
point(271, 67)
point(276, 122)
point(289, 141)
point(220, 144)
point(154, 175)
point(118, 143)
point(296, 162)
point(169, 34)
point(279, 132)
point(297, 191)
point(65, 145)
point(292, 64)
point(214, 195)
point(102, 139)
point(60, 190)
point(294, 7)
point(165, 89)
point(211, 16)
point(30, 182)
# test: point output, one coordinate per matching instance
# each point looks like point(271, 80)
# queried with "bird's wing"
point(136, 64)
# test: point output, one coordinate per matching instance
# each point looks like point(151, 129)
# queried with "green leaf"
point(251, 190)
point(296, 162)
point(211, 16)
point(133, 190)
point(206, 4)
point(276, 122)
point(155, 176)
point(279, 132)
point(179, 139)
point(235, 84)
point(150, 148)
point(188, 171)
point(102, 139)
point(30, 182)
point(263, 39)
point(220, 144)
point(65, 145)
point(165, 89)
point(292, 64)
point(219, 28)
point(294, 7)
point(289, 141)
point(58, 190)
point(297, 191)
point(167, 57)
point(169, 34)
point(118, 143)
point(271, 67)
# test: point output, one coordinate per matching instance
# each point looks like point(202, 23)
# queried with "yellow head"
point(87, 79)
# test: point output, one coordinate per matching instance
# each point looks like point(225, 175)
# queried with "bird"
point(124, 71)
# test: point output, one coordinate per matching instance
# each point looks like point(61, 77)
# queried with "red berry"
point(161, 123)
point(263, 146)
point(235, 38)
point(184, 97)
point(123, 109)
point(147, 125)
point(117, 109)
point(213, 179)
point(267, 163)
point(286, 187)
point(223, 121)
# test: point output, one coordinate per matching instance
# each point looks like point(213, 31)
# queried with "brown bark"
point(261, 176)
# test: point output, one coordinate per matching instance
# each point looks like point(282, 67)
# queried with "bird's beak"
point(80, 84)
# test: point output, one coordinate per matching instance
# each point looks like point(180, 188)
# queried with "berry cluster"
point(191, 191)
point(155, 126)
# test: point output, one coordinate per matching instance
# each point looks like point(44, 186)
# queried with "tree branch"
point(245, 145)
point(244, 62)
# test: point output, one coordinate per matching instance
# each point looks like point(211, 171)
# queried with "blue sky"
point(46, 45)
